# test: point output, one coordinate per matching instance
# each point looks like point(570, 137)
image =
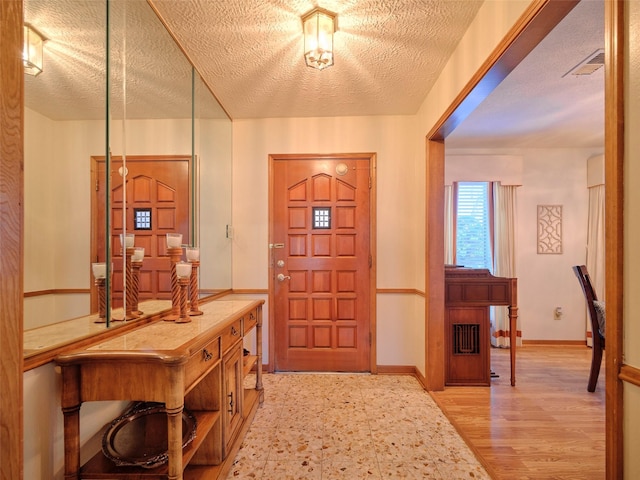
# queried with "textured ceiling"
point(158, 77)
point(538, 105)
point(388, 54)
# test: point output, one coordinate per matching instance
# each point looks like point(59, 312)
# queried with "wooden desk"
point(468, 295)
point(198, 365)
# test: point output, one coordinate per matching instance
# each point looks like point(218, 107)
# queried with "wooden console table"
point(199, 366)
point(468, 294)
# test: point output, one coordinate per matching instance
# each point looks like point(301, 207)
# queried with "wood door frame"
point(11, 241)
point(371, 157)
point(95, 159)
point(535, 23)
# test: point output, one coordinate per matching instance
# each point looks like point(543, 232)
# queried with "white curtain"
point(504, 259)
point(449, 218)
point(595, 246)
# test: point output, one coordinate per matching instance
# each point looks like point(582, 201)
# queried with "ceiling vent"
point(589, 65)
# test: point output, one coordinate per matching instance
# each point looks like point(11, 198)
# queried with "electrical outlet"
point(557, 313)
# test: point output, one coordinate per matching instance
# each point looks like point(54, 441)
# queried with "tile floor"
point(345, 426)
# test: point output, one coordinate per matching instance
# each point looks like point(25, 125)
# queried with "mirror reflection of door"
point(157, 203)
point(321, 263)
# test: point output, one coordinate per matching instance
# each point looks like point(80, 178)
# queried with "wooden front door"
point(157, 203)
point(320, 262)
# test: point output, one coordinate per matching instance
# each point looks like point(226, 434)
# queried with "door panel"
point(158, 190)
point(320, 219)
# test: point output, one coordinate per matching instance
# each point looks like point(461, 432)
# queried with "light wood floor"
point(546, 427)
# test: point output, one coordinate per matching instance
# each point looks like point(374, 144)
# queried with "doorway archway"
point(539, 19)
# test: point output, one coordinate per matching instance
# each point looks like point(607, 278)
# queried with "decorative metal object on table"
point(127, 241)
point(174, 250)
point(99, 274)
point(183, 272)
point(193, 257)
point(138, 438)
point(136, 265)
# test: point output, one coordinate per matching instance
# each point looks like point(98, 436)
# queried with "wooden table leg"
point(259, 386)
point(174, 435)
point(71, 412)
point(513, 336)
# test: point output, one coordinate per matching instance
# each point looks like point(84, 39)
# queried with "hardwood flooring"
point(546, 427)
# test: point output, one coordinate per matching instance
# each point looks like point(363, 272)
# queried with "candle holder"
point(127, 240)
point(99, 274)
point(174, 250)
point(136, 265)
point(183, 272)
point(174, 240)
point(130, 293)
point(193, 256)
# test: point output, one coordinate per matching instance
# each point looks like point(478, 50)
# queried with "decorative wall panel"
point(549, 229)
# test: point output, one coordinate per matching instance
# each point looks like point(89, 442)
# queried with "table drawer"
point(202, 360)
point(249, 321)
point(231, 335)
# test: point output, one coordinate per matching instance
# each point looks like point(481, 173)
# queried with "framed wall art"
point(549, 229)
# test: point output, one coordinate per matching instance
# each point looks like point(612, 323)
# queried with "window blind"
point(473, 248)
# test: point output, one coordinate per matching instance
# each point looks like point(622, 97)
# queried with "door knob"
point(282, 277)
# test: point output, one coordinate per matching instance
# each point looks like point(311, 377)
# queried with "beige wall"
point(595, 170)
point(631, 307)
point(59, 156)
point(492, 23)
point(553, 177)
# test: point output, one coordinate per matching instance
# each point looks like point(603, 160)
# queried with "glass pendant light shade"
point(319, 25)
point(32, 51)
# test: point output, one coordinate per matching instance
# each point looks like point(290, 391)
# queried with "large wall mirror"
point(116, 108)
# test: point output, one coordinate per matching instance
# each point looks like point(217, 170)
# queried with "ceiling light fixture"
point(32, 51)
point(318, 26)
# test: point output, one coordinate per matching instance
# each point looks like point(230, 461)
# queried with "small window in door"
point(322, 217)
point(142, 218)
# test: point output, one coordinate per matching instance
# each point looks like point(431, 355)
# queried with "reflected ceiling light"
point(32, 50)
point(318, 26)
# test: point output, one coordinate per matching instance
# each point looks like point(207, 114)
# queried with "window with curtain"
point(473, 225)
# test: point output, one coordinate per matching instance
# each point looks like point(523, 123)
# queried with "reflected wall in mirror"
point(157, 107)
point(212, 146)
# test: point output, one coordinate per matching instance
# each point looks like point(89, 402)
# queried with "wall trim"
point(396, 369)
point(630, 374)
point(407, 291)
point(559, 343)
point(56, 291)
point(249, 291)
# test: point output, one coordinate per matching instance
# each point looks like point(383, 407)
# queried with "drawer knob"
point(234, 332)
point(252, 316)
point(206, 355)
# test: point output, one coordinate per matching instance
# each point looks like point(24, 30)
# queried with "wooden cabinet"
point(199, 366)
point(468, 292)
point(467, 346)
point(233, 395)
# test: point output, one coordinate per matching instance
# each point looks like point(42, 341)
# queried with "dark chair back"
point(598, 336)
